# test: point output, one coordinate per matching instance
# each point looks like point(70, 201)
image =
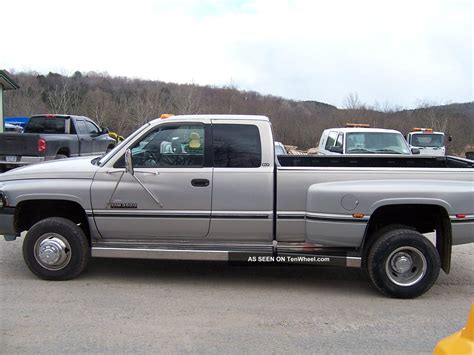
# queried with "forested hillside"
point(124, 104)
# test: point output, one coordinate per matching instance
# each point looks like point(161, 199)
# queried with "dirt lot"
point(125, 306)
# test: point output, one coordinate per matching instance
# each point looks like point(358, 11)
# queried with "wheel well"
point(423, 218)
point(63, 151)
point(27, 213)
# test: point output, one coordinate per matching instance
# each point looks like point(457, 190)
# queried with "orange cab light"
point(417, 129)
point(166, 115)
point(357, 125)
point(461, 215)
point(358, 215)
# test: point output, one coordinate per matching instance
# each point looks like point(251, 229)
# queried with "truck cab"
point(427, 141)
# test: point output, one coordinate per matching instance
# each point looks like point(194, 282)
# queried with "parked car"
point(208, 187)
point(13, 128)
point(363, 140)
point(48, 137)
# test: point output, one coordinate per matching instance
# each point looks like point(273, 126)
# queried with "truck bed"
point(358, 161)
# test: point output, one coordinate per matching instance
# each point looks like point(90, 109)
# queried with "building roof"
point(7, 82)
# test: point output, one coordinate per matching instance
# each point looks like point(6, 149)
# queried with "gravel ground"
point(129, 306)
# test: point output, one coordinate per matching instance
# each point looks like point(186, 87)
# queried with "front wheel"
point(402, 263)
point(56, 249)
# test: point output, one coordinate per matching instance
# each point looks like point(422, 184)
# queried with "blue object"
point(17, 121)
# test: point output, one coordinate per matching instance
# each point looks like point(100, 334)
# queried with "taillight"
point(41, 145)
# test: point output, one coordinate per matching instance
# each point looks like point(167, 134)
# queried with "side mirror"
point(104, 131)
point(450, 138)
point(335, 149)
point(415, 151)
point(129, 162)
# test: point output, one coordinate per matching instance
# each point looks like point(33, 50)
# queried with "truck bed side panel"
point(296, 201)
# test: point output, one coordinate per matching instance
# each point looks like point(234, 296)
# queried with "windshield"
point(427, 140)
point(376, 142)
point(121, 144)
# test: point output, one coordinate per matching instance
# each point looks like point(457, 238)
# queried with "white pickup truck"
point(360, 139)
point(427, 141)
point(210, 187)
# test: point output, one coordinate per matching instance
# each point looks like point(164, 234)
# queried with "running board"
point(250, 257)
point(164, 254)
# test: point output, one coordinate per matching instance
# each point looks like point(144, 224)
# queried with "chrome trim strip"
point(148, 212)
point(321, 216)
point(181, 214)
point(468, 218)
point(335, 216)
point(165, 254)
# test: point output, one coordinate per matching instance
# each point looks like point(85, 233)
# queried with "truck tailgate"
point(19, 144)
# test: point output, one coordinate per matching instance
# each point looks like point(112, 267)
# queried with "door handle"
point(200, 182)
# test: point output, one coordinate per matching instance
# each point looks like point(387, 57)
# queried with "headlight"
point(3, 200)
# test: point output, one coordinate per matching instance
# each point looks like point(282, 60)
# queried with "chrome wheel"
point(52, 251)
point(405, 266)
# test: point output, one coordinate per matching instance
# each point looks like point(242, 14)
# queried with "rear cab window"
point(45, 124)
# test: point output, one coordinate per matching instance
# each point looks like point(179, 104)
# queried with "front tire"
point(56, 249)
point(402, 263)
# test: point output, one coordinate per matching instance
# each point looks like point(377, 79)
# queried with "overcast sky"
point(397, 52)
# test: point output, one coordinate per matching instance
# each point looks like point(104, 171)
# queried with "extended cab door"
point(99, 142)
point(242, 196)
point(169, 195)
point(86, 143)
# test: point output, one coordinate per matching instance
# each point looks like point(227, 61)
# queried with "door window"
point(92, 128)
point(331, 140)
point(81, 127)
point(171, 147)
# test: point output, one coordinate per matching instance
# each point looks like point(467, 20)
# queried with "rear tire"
point(402, 263)
point(56, 249)
point(61, 156)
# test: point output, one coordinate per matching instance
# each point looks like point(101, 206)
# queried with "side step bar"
point(165, 254)
point(251, 257)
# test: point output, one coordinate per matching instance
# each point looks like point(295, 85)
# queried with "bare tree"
point(352, 102)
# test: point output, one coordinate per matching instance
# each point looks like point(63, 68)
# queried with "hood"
point(74, 168)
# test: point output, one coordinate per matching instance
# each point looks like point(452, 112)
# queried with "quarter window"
point(236, 146)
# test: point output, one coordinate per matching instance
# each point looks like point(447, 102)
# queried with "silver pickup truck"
point(210, 187)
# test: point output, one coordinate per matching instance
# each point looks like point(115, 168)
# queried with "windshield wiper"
point(95, 161)
point(360, 150)
point(391, 151)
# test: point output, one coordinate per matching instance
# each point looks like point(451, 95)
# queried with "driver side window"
point(171, 147)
